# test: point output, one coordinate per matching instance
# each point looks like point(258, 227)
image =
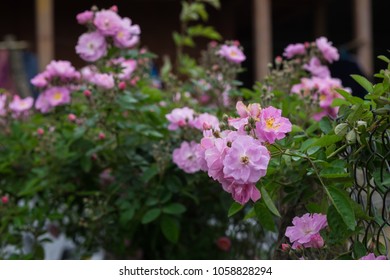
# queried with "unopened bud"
point(40, 131)
point(87, 93)
point(122, 85)
point(4, 199)
point(286, 247)
point(114, 8)
point(72, 117)
point(102, 136)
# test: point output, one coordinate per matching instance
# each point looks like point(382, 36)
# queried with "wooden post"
point(44, 31)
point(262, 18)
point(363, 34)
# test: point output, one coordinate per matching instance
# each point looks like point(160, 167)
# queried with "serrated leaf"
point(264, 216)
point(170, 228)
point(151, 215)
point(366, 84)
point(268, 202)
point(174, 209)
point(235, 208)
point(343, 205)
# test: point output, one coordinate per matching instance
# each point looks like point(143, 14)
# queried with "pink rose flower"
point(371, 256)
point(205, 121)
point(242, 193)
point(305, 230)
point(272, 126)
point(42, 103)
point(316, 68)
point(56, 96)
point(20, 105)
point(39, 80)
point(187, 157)
point(107, 22)
point(84, 17)
point(294, 49)
point(3, 100)
point(128, 35)
point(180, 117)
point(91, 46)
point(232, 53)
point(329, 52)
point(246, 161)
point(61, 69)
point(104, 81)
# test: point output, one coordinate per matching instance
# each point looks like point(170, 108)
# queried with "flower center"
point(233, 54)
point(91, 46)
point(269, 123)
point(57, 96)
point(244, 160)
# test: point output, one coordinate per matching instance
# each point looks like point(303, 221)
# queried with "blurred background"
point(36, 31)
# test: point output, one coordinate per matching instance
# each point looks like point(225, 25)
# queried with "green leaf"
point(204, 31)
point(170, 227)
point(326, 140)
point(384, 58)
point(359, 250)
point(343, 205)
point(215, 3)
point(268, 202)
point(366, 84)
point(235, 208)
point(264, 216)
point(149, 173)
point(174, 209)
point(339, 232)
point(325, 125)
point(86, 164)
point(151, 215)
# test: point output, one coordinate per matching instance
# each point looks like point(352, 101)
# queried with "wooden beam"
point(44, 31)
point(363, 34)
point(320, 18)
point(262, 18)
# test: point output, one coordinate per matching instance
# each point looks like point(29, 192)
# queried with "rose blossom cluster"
point(320, 86)
point(57, 81)
point(105, 26)
point(236, 157)
point(18, 106)
point(305, 231)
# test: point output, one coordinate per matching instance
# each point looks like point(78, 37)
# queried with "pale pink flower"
point(205, 121)
point(128, 35)
point(56, 96)
point(329, 52)
point(186, 157)
point(316, 68)
point(91, 46)
point(3, 109)
point(242, 193)
point(107, 22)
point(20, 105)
point(214, 155)
point(272, 126)
point(40, 80)
point(305, 230)
point(42, 103)
point(253, 110)
point(104, 81)
point(232, 53)
point(371, 257)
point(88, 72)
point(84, 17)
point(61, 69)
point(128, 67)
point(294, 49)
point(179, 117)
point(246, 161)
